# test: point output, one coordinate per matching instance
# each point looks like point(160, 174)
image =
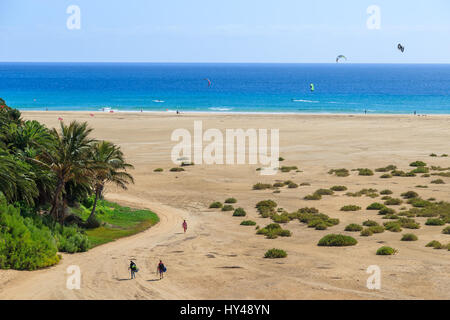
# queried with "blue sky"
point(225, 31)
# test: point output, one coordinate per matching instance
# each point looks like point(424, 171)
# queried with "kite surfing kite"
point(400, 47)
point(340, 57)
point(311, 86)
point(209, 82)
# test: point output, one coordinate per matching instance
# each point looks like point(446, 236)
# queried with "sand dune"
point(218, 258)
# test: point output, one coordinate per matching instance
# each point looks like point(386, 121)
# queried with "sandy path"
point(218, 258)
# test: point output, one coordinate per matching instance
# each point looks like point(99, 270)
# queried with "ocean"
point(269, 88)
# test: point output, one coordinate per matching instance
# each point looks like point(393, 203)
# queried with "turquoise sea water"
point(339, 88)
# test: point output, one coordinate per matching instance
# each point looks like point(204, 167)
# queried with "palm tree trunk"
point(55, 202)
point(98, 191)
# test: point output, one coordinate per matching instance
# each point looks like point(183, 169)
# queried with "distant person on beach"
point(133, 268)
point(365, 111)
point(141, 109)
point(184, 226)
point(161, 269)
point(178, 112)
point(414, 112)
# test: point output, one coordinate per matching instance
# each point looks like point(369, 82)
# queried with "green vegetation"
point(376, 229)
point(304, 184)
point(337, 240)
point(230, 200)
point(350, 207)
point(409, 237)
point(376, 206)
point(392, 226)
point(266, 208)
point(446, 230)
point(292, 185)
point(227, 207)
point(278, 185)
point(366, 233)
point(353, 227)
point(370, 223)
point(275, 254)
point(434, 244)
point(314, 219)
point(339, 172)
point(420, 170)
point(386, 176)
point(239, 212)
point(386, 169)
point(433, 155)
point(280, 159)
point(393, 202)
point(262, 186)
point(288, 169)
point(365, 172)
point(216, 205)
point(438, 181)
point(314, 196)
point(324, 192)
point(176, 169)
point(386, 192)
point(158, 170)
point(386, 251)
point(273, 230)
point(338, 188)
point(409, 195)
point(435, 222)
point(418, 164)
point(372, 193)
point(248, 223)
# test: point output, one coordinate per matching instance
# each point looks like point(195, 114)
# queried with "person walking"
point(184, 226)
point(161, 269)
point(133, 268)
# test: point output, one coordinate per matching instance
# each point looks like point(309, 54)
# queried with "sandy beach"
point(220, 259)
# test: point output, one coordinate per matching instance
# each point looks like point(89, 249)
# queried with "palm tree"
point(68, 160)
point(109, 166)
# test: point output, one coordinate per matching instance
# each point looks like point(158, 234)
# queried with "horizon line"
point(217, 62)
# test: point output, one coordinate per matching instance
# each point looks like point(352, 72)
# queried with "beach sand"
point(219, 259)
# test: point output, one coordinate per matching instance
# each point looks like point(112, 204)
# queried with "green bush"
point(337, 240)
point(248, 223)
point(353, 227)
point(376, 229)
point(338, 188)
point(305, 184)
point(350, 207)
point(370, 223)
point(273, 230)
point(280, 159)
point(324, 192)
point(386, 176)
point(266, 208)
point(409, 195)
point(230, 200)
point(418, 164)
point(386, 192)
point(275, 254)
point(262, 186)
point(397, 173)
point(292, 185)
point(446, 230)
point(278, 185)
point(365, 172)
point(176, 169)
point(392, 226)
point(288, 169)
point(239, 212)
point(314, 196)
point(438, 181)
point(386, 169)
point(386, 251)
point(409, 237)
point(419, 203)
point(434, 244)
point(158, 170)
point(376, 206)
point(340, 172)
point(71, 240)
point(216, 205)
point(366, 233)
point(435, 222)
point(227, 207)
point(433, 155)
point(420, 170)
point(25, 244)
point(393, 202)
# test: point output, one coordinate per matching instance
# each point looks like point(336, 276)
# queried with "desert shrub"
point(446, 230)
point(25, 244)
point(419, 203)
point(420, 170)
point(376, 229)
point(158, 170)
point(314, 196)
point(350, 207)
point(288, 169)
point(365, 172)
point(338, 188)
point(438, 181)
point(418, 164)
point(386, 197)
point(324, 192)
point(442, 174)
point(386, 251)
point(435, 222)
point(273, 230)
point(376, 206)
point(280, 218)
point(386, 192)
point(337, 240)
point(426, 175)
point(433, 155)
point(409, 237)
point(227, 207)
point(444, 155)
point(409, 195)
point(216, 205)
point(71, 240)
point(248, 223)
point(393, 202)
point(390, 217)
point(386, 176)
point(339, 172)
point(275, 254)
point(239, 212)
point(397, 173)
point(230, 200)
point(321, 226)
point(421, 186)
point(409, 174)
point(313, 219)
point(370, 223)
point(292, 185)
point(285, 233)
point(270, 204)
point(278, 185)
point(392, 226)
point(261, 186)
point(176, 169)
point(366, 232)
point(280, 159)
point(434, 244)
point(353, 227)
point(276, 191)
point(386, 169)
point(304, 184)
